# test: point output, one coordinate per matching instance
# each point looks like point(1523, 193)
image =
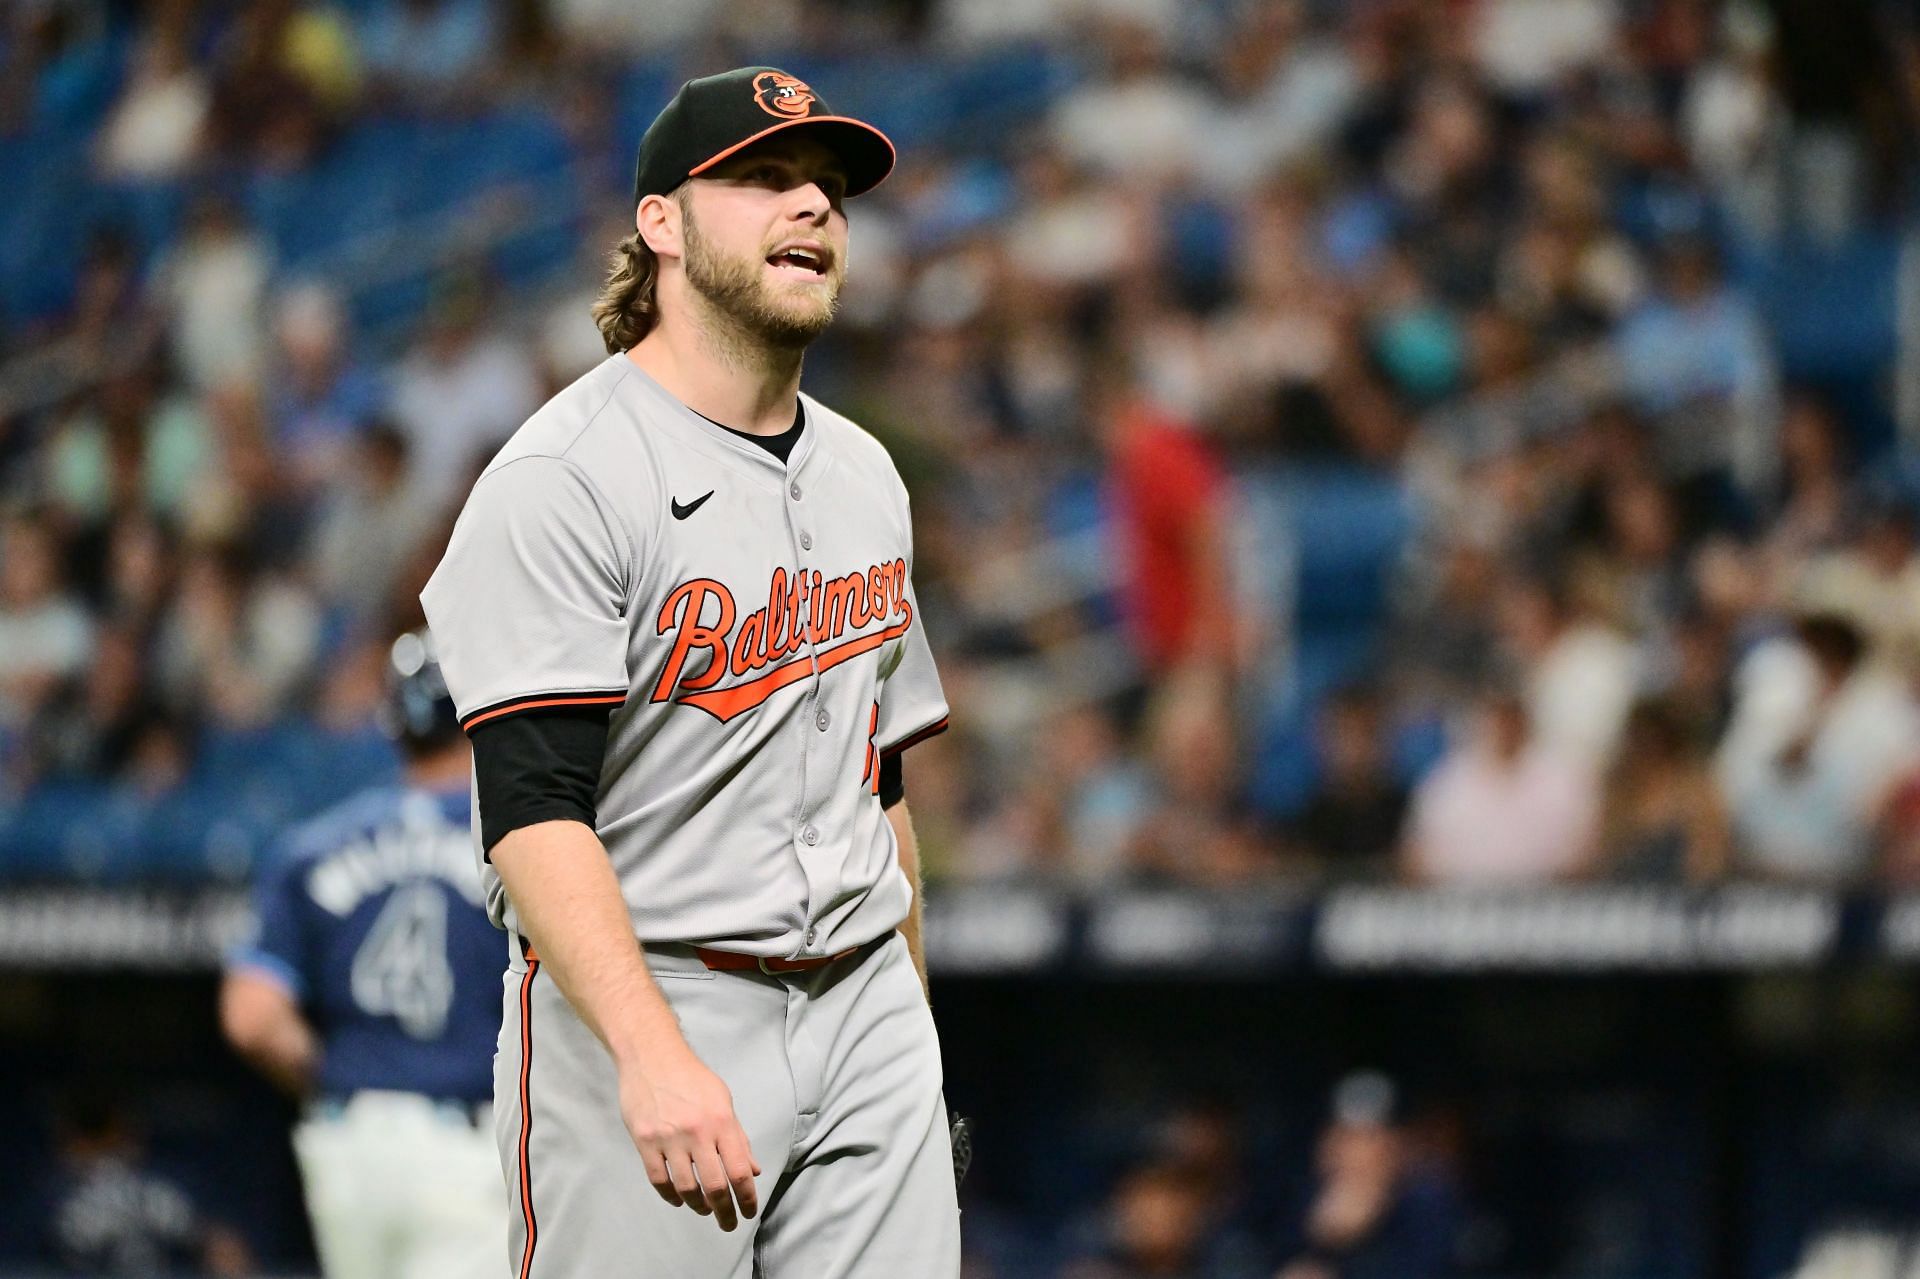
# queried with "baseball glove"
point(962, 1135)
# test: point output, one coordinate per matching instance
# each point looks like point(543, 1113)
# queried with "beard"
point(736, 287)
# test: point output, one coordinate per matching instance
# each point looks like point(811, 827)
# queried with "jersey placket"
point(807, 834)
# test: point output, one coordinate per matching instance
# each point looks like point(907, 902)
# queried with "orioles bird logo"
point(780, 94)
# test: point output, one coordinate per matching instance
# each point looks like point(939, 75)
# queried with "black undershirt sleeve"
point(538, 766)
point(893, 788)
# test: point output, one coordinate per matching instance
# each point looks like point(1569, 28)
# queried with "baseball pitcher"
point(677, 615)
point(368, 989)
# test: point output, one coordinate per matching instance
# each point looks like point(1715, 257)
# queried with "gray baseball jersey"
point(753, 624)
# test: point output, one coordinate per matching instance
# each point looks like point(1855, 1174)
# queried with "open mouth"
point(800, 260)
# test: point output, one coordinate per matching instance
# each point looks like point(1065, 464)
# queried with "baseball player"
point(678, 618)
point(368, 989)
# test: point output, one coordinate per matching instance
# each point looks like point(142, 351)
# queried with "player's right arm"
point(679, 1113)
point(528, 612)
point(267, 976)
point(263, 1023)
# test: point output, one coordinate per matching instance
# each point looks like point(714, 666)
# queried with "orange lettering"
point(752, 629)
point(801, 606)
point(860, 607)
point(777, 646)
point(797, 613)
point(840, 603)
point(682, 610)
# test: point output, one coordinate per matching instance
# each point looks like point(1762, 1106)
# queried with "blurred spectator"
point(1811, 505)
point(429, 53)
point(1080, 819)
point(1900, 863)
point(1662, 818)
point(460, 392)
point(1571, 272)
point(1443, 642)
point(110, 1212)
point(1732, 119)
point(215, 286)
point(1695, 360)
point(1502, 807)
point(1581, 674)
point(370, 528)
point(1445, 173)
point(1280, 342)
point(317, 46)
point(237, 646)
point(1847, 124)
point(138, 576)
point(1873, 580)
point(1633, 572)
point(1170, 502)
point(1383, 1207)
point(1156, 1227)
point(1525, 46)
point(90, 726)
point(45, 634)
point(1690, 677)
point(155, 130)
point(1072, 229)
point(1138, 118)
point(128, 449)
point(1206, 1137)
point(244, 495)
point(321, 396)
point(1352, 823)
point(1819, 739)
point(287, 71)
point(108, 324)
point(1195, 830)
point(1288, 85)
point(596, 30)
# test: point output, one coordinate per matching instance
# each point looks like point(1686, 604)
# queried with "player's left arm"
point(902, 823)
point(262, 1021)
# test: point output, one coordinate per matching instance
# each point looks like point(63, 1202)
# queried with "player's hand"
point(681, 1118)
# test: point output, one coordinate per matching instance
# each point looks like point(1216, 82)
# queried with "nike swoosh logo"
point(681, 512)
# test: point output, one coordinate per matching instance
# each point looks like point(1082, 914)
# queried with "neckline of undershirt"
point(781, 445)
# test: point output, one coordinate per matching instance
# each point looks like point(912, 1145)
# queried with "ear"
point(658, 222)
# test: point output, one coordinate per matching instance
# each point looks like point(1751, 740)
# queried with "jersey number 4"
point(401, 969)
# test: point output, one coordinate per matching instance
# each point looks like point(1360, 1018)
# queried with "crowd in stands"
point(1360, 440)
point(1445, 441)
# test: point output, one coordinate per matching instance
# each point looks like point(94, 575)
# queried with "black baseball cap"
point(717, 115)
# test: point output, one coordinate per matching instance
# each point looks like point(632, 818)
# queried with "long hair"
point(627, 309)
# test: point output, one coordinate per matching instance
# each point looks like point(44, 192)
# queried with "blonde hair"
point(626, 309)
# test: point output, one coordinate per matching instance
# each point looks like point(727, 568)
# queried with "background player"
point(681, 534)
point(369, 990)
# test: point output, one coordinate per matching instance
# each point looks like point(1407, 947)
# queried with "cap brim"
point(866, 152)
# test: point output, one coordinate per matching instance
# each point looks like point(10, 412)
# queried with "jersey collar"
point(690, 422)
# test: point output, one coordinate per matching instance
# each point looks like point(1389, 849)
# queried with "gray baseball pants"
point(836, 1078)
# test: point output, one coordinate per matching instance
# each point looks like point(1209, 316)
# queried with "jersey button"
point(822, 719)
point(806, 541)
point(810, 836)
point(813, 935)
point(793, 490)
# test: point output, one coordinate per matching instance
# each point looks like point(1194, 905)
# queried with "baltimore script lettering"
point(772, 639)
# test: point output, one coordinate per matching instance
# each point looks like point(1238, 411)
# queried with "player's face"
point(765, 235)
